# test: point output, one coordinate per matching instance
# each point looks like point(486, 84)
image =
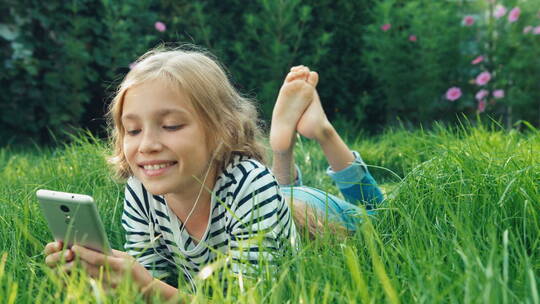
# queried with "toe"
point(313, 78)
point(305, 70)
point(299, 74)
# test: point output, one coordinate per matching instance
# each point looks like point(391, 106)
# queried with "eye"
point(173, 128)
point(133, 132)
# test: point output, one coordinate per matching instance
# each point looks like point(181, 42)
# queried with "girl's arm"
point(119, 265)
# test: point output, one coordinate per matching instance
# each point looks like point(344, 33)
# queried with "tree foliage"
point(63, 60)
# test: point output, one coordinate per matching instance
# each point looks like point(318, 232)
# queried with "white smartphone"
point(73, 219)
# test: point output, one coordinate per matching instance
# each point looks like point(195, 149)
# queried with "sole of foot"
point(294, 98)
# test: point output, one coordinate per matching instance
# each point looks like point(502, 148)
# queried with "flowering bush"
point(420, 60)
point(470, 57)
point(416, 59)
point(504, 43)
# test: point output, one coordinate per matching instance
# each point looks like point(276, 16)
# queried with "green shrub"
point(50, 70)
point(64, 61)
point(412, 75)
point(428, 49)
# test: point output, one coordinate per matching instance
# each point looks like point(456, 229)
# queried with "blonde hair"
point(229, 120)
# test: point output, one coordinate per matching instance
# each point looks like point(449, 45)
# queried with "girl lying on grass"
point(197, 187)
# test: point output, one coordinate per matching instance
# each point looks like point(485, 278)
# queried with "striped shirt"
point(249, 220)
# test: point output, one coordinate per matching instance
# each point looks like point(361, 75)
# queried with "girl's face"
point(164, 142)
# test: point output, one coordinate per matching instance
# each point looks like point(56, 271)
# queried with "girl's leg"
point(315, 125)
point(347, 168)
point(298, 109)
point(294, 98)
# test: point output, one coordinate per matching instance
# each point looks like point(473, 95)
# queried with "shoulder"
point(242, 165)
point(243, 173)
point(246, 184)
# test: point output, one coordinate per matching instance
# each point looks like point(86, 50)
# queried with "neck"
point(195, 199)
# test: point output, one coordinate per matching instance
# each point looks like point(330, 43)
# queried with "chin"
point(156, 189)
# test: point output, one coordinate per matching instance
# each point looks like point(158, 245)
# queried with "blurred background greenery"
point(381, 62)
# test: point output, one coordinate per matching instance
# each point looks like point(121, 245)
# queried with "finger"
point(313, 78)
point(111, 279)
point(68, 267)
point(120, 254)
point(52, 247)
point(89, 255)
point(116, 263)
point(92, 270)
point(296, 68)
point(52, 260)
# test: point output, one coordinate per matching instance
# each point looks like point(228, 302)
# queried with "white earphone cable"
point(186, 272)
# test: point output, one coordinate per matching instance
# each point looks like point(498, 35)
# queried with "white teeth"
point(156, 167)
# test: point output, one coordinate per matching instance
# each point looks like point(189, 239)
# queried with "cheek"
point(129, 147)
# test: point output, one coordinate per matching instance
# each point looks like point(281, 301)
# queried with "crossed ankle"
point(325, 133)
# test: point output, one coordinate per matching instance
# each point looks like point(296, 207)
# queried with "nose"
point(150, 142)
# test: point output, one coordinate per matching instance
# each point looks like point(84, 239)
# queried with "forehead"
point(155, 98)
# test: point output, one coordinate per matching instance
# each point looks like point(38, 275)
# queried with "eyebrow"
point(159, 113)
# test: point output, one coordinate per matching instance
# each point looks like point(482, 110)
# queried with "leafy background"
point(61, 61)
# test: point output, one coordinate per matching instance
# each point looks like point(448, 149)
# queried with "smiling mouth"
point(157, 167)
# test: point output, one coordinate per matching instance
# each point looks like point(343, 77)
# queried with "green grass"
point(460, 225)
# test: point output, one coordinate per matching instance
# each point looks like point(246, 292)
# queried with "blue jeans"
point(355, 184)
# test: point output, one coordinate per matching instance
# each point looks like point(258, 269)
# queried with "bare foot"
point(314, 124)
point(294, 97)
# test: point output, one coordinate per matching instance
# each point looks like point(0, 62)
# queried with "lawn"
point(460, 225)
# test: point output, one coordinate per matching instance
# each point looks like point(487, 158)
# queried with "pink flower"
point(386, 27)
point(468, 20)
point(527, 29)
point(478, 59)
point(481, 106)
point(498, 94)
point(536, 30)
point(513, 16)
point(499, 11)
point(413, 38)
point(160, 26)
point(481, 94)
point(483, 78)
point(454, 93)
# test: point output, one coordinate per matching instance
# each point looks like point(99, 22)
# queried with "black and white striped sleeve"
point(136, 221)
point(257, 220)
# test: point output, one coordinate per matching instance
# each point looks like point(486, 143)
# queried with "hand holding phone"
point(73, 219)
